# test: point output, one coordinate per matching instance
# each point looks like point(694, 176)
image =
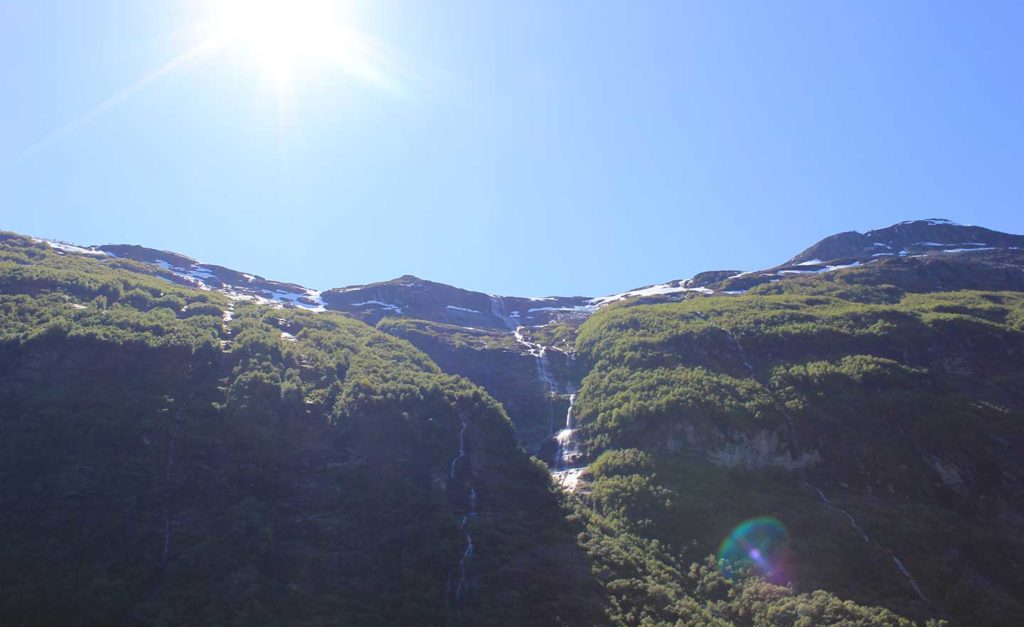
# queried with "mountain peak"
point(907, 238)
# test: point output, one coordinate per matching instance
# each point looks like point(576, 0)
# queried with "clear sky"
point(527, 147)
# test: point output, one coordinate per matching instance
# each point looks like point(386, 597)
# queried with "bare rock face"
point(763, 448)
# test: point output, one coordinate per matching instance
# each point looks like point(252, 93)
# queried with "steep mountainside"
point(174, 457)
point(885, 432)
point(866, 396)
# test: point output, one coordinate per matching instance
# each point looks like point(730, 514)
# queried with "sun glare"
point(284, 36)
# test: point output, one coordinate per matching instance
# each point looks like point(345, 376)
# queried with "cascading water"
point(460, 590)
point(567, 449)
point(795, 448)
point(540, 359)
point(498, 311)
point(566, 473)
point(463, 583)
point(538, 351)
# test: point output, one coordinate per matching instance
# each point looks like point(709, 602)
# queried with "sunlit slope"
point(884, 428)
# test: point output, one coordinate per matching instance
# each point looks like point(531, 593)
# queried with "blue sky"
point(524, 148)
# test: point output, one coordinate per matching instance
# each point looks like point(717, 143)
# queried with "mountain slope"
point(908, 238)
point(174, 457)
point(880, 425)
point(871, 403)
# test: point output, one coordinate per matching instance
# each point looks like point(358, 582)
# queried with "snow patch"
point(297, 299)
point(581, 308)
point(71, 248)
point(654, 290)
point(820, 270)
point(380, 305)
point(932, 222)
point(466, 309)
point(192, 276)
point(966, 250)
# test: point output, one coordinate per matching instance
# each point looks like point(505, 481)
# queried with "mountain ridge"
point(872, 404)
point(912, 238)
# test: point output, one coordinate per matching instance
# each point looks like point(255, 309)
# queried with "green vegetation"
point(649, 583)
point(173, 457)
point(559, 335)
point(902, 408)
point(163, 466)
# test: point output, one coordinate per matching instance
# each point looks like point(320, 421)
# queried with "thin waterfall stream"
point(863, 534)
point(462, 585)
point(537, 351)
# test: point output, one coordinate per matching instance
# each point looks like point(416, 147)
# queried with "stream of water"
point(567, 472)
point(463, 583)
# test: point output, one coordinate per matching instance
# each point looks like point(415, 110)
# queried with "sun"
point(283, 37)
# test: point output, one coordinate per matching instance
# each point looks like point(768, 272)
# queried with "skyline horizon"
point(200, 260)
point(526, 148)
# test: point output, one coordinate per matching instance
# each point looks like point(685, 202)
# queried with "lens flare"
point(759, 545)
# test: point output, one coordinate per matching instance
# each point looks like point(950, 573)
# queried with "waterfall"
point(566, 473)
point(463, 583)
point(226, 317)
point(498, 311)
point(909, 577)
point(849, 516)
point(462, 449)
point(863, 534)
point(567, 447)
point(540, 360)
point(538, 351)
